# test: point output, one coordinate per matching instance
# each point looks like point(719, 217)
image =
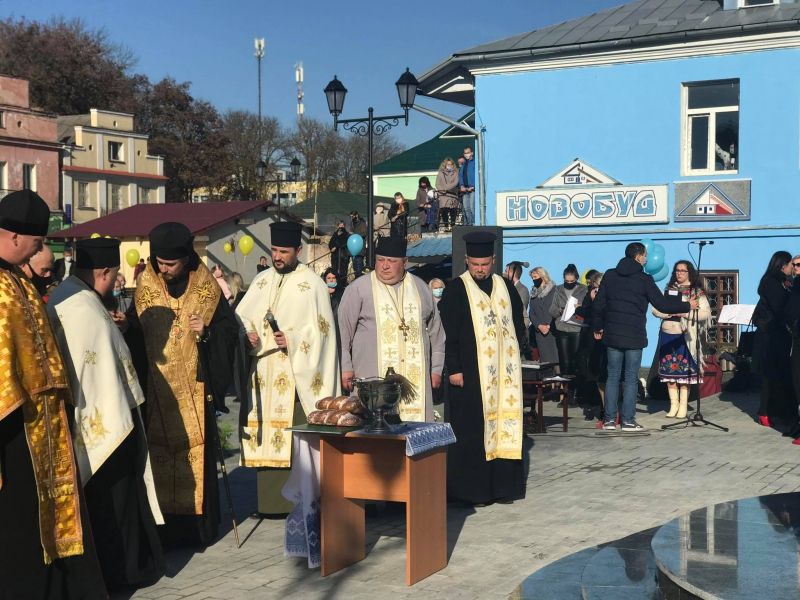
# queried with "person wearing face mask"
point(39, 270)
point(437, 289)
point(122, 302)
point(63, 266)
point(359, 226)
point(567, 298)
point(677, 338)
point(335, 295)
point(425, 205)
point(542, 294)
point(447, 190)
point(340, 255)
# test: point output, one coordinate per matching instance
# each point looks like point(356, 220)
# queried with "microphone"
point(273, 324)
point(704, 242)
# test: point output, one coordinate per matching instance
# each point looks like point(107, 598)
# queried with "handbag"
point(746, 342)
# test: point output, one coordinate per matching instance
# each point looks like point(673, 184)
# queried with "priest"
point(107, 431)
point(46, 548)
point(182, 321)
point(482, 316)
point(287, 315)
point(389, 320)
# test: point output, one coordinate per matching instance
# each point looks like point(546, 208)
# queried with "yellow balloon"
point(228, 247)
point(132, 257)
point(94, 235)
point(583, 277)
point(246, 244)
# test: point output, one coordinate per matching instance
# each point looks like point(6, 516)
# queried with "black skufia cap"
point(286, 234)
point(24, 212)
point(97, 253)
point(393, 247)
point(480, 244)
point(171, 241)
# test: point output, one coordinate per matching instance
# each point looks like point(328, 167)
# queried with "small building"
point(401, 173)
point(662, 119)
point(29, 148)
point(106, 166)
point(214, 224)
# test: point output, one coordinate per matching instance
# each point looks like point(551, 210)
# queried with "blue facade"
point(626, 121)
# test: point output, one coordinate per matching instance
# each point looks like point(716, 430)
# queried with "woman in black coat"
point(398, 217)
point(773, 343)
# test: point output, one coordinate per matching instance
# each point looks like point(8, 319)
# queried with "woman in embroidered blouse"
point(677, 338)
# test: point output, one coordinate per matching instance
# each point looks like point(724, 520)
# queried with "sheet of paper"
point(736, 314)
point(569, 309)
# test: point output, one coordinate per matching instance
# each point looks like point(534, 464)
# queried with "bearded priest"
point(182, 321)
point(287, 315)
point(388, 319)
point(107, 432)
point(482, 316)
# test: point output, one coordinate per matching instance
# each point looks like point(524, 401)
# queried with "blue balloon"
point(648, 244)
point(355, 244)
point(655, 259)
point(663, 272)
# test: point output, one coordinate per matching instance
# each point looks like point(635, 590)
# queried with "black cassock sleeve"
point(517, 313)
point(452, 308)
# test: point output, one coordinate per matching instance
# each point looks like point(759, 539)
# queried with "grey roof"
point(636, 24)
point(66, 126)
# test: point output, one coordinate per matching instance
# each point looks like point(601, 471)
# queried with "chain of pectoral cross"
point(398, 307)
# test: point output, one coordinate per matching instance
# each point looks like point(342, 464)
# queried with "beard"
point(286, 268)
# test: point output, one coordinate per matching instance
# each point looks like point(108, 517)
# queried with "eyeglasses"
point(796, 264)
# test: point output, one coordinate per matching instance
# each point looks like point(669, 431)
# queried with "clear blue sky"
point(367, 44)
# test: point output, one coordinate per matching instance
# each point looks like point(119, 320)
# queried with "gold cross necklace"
point(397, 301)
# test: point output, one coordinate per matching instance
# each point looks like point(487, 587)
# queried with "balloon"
point(583, 277)
point(655, 259)
point(662, 272)
point(355, 244)
point(94, 235)
point(228, 247)
point(246, 244)
point(132, 257)
point(648, 244)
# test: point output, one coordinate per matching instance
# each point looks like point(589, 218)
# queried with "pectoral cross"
point(404, 329)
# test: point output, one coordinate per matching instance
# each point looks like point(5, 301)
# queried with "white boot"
point(672, 390)
point(683, 401)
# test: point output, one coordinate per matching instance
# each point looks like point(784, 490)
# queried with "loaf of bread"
point(352, 405)
point(325, 403)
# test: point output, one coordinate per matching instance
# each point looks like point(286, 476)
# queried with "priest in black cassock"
point(183, 322)
point(46, 548)
point(483, 320)
point(107, 430)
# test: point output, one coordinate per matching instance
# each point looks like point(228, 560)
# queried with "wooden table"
point(534, 375)
point(356, 467)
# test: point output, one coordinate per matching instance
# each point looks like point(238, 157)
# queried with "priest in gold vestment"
point(388, 319)
point(46, 548)
point(287, 315)
point(179, 312)
point(482, 316)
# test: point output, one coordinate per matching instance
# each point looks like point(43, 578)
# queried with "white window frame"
point(115, 205)
point(31, 177)
point(686, 133)
point(84, 203)
point(146, 194)
point(3, 176)
point(743, 3)
point(120, 154)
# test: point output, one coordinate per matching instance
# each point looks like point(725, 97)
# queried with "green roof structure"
point(332, 206)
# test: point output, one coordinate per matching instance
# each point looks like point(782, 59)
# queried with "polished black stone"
point(734, 550)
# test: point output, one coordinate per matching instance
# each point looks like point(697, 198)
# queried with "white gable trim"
point(717, 47)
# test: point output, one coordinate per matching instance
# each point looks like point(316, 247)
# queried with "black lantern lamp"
point(407, 89)
point(294, 165)
point(335, 93)
point(261, 169)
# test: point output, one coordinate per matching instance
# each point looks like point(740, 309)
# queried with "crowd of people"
point(108, 434)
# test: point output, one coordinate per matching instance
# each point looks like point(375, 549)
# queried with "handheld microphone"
point(273, 324)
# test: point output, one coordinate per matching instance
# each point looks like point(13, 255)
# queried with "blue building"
point(675, 120)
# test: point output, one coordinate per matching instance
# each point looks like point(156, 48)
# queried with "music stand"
point(697, 419)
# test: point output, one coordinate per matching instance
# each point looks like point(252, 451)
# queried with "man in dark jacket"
point(619, 318)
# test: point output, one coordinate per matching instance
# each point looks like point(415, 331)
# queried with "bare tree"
point(352, 159)
point(249, 143)
point(315, 143)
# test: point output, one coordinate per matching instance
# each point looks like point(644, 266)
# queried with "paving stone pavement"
point(583, 489)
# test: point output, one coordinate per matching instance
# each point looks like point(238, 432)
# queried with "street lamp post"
point(370, 126)
point(294, 173)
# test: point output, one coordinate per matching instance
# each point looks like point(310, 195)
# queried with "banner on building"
point(727, 200)
point(581, 195)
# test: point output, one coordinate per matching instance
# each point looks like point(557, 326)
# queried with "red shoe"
point(763, 420)
point(796, 442)
point(598, 425)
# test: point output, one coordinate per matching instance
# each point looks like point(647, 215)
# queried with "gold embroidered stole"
point(405, 353)
point(498, 367)
point(34, 377)
point(308, 369)
point(175, 399)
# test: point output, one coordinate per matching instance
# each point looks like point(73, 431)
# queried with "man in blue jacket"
point(619, 318)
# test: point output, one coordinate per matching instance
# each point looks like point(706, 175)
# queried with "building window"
point(3, 179)
point(29, 177)
point(2, 119)
point(117, 197)
point(711, 127)
point(115, 152)
point(84, 198)
point(746, 3)
point(722, 287)
point(146, 195)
